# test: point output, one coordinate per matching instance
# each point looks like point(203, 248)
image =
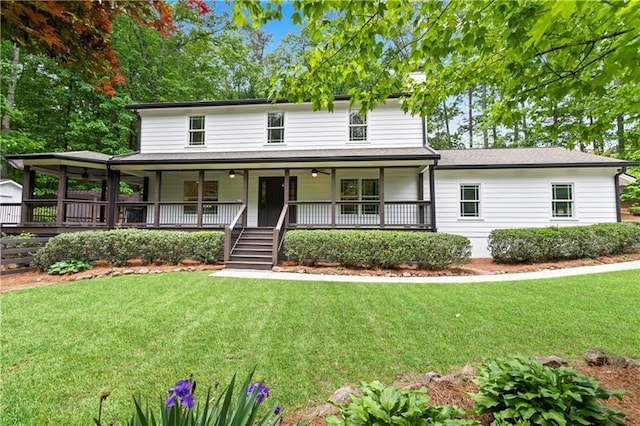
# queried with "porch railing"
point(177, 213)
point(233, 231)
point(360, 214)
point(278, 233)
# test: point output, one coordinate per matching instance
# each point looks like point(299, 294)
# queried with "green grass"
point(62, 345)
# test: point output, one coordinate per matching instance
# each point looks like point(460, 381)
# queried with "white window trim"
point(574, 210)
point(190, 131)
point(478, 218)
point(284, 129)
point(349, 126)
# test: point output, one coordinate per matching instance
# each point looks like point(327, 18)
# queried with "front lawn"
point(63, 345)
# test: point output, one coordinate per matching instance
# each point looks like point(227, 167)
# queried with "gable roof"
point(507, 158)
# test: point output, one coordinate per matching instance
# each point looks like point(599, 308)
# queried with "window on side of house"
point(275, 127)
point(209, 195)
point(359, 190)
point(469, 200)
point(562, 200)
point(196, 130)
point(357, 127)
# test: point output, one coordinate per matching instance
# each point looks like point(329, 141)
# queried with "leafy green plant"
point(380, 405)
point(519, 390)
point(180, 407)
point(119, 246)
point(635, 209)
point(374, 248)
point(559, 243)
point(69, 267)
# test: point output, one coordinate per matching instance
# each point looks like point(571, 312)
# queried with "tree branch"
point(582, 43)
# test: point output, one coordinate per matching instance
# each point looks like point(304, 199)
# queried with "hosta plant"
point(380, 405)
point(519, 390)
point(69, 267)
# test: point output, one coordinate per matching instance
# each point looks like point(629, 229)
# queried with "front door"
point(271, 198)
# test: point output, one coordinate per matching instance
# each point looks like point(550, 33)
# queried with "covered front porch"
point(275, 194)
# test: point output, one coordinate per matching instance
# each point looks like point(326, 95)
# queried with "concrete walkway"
point(466, 279)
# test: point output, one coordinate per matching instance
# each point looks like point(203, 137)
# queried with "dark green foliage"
point(519, 390)
point(380, 405)
point(69, 267)
point(119, 246)
point(385, 249)
point(635, 209)
point(558, 243)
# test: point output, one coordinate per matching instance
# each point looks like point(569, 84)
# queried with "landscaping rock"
point(128, 271)
point(432, 376)
point(343, 395)
point(115, 274)
point(598, 357)
point(551, 361)
point(143, 271)
point(468, 371)
point(157, 271)
point(277, 269)
point(406, 274)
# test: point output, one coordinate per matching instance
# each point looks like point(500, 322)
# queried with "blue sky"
point(279, 29)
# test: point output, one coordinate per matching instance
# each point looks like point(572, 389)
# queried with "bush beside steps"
point(376, 248)
point(119, 246)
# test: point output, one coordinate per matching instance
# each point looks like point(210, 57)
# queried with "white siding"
point(518, 198)
point(243, 128)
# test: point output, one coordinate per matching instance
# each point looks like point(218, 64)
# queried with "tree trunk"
point(470, 118)
point(620, 132)
point(445, 114)
point(516, 133)
point(525, 140)
point(11, 87)
point(485, 129)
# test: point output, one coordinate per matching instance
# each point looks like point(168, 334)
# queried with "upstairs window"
point(470, 200)
point(359, 190)
point(275, 127)
point(196, 130)
point(357, 126)
point(209, 195)
point(562, 200)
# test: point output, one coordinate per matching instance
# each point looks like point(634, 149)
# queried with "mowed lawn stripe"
point(62, 345)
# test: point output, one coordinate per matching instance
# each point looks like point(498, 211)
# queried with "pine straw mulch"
point(457, 393)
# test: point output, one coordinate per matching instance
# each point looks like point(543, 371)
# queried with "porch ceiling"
point(278, 159)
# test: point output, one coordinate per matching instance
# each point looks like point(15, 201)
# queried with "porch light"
point(232, 174)
point(314, 172)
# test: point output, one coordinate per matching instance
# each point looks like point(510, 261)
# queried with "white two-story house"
point(258, 168)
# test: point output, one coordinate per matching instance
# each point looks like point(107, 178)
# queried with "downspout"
point(139, 131)
point(616, 185)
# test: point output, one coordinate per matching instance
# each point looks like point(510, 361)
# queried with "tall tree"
point(533, 52)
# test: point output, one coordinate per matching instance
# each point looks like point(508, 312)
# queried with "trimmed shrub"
point(119, 246)
point(375, 248)
point(519, 390)
point(562, 243)
point(635, 209)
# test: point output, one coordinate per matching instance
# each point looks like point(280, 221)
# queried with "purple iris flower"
point(263, 391)
point(183, 392)
point(276, 410)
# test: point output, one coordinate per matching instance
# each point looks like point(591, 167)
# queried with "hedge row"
point(385, 249)
point(118, 246)
point(555, 243)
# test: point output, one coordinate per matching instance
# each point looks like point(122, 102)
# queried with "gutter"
point(616, 185)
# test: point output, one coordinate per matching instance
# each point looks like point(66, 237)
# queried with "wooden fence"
point(17, 253)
